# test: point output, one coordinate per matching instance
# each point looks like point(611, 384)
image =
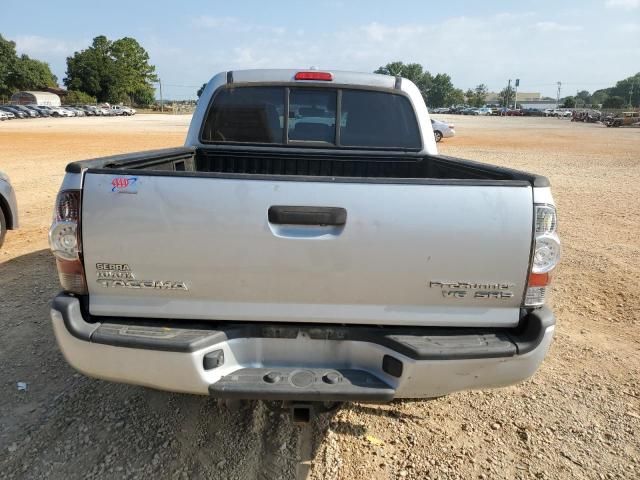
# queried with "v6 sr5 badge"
point(125, 184)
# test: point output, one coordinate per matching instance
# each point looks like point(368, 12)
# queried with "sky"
point(585, 44)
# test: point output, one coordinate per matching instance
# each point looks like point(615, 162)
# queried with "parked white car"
point(442, 130)
point(122, 110)
point(5, 116)
point(557, 112)
point(57, 111)
point(484, 111)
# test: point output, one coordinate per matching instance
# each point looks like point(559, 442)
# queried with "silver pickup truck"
point(307, 244)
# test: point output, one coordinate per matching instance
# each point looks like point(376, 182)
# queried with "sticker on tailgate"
point(124, 184)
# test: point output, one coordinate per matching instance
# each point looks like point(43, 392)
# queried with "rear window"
point(368, 119)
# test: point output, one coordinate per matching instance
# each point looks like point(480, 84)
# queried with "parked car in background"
point(484, 111)
point(16, 112)
point(441, 110)
point(442, 130)
point(532, 112)
point(41, 111)
point(122, 110)
point(87, 111)
point(27, 111)
point(8, 207)
point(469, 111)
point(78, 111)
point(556, 112)
point(513, 112)
point(6, 116)
point(61, 112)
point(625, 119)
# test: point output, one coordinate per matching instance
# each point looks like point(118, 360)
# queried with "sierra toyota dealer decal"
point(119, 275)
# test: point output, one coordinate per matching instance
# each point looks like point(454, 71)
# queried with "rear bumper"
point(299, 362)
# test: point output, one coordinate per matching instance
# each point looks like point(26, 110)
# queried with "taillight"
point(64, 240)
point(546, 255)
point(313, 75)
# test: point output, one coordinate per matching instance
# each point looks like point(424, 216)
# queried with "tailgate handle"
point(295, 215)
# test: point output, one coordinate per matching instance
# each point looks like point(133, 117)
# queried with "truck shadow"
point(66, 423)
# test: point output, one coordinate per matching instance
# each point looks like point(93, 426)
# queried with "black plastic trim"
point(69, 308)
point(132, 160)
point(419, 343)
point(302, 215)
point(281, 385)
point(309, 178)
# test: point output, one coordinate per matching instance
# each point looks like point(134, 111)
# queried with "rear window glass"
point(312, 115)
point(377, 119)
point(247, 114)
point(368, 119)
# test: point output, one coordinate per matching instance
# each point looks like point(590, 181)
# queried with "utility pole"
point(631, 92)
point(558, 94)
point(515, 101)
point(508, 99)
point(161, 103)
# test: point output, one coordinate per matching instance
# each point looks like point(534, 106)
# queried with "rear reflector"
point(71, 276)
point(321, 76)
point(535, 296)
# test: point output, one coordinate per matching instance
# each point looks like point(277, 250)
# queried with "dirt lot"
point(579, 417)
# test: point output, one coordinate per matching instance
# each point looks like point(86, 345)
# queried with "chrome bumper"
point(299, 362)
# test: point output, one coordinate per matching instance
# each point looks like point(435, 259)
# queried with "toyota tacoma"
point(307, 244)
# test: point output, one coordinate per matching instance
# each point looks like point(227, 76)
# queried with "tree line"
point(21, 72)
point(115, 71)
point(437, 90)
point(625, 93)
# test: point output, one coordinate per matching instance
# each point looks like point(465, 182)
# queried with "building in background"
point(493, 97)
point(37, 98)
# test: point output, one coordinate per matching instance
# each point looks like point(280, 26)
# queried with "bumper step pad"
point(313, 384)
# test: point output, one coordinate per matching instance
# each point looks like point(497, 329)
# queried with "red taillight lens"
point(321, 76)
point(546, 254)
point(68, 206)
point(65, 242)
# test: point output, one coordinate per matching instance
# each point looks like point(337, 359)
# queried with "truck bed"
point(270, 163)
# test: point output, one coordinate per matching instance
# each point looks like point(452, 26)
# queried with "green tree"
point(410, 71)
point(74, 97)
point(22, 72)
point(506, 95)
point(478, 95)
point(201, 89)
point(113, 71)
point(468, 96)
point(583, 98)
point(30, 74)
point(599, 97)
point(441, 91)
point(568, 102)
point(455, 97)
point(614, 101)
point(7, 61)
point(627, 89)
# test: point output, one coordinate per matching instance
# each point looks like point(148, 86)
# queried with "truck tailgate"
point(201, 247)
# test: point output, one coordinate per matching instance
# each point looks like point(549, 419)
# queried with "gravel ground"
point(578, 417)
